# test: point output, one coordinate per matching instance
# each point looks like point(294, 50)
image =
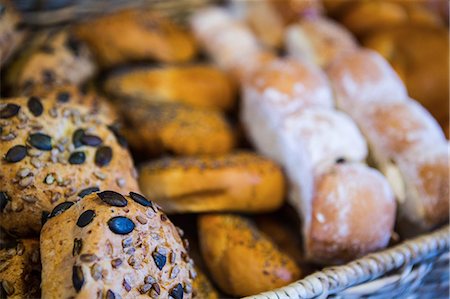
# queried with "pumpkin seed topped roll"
point(197, 85)
point(133, 35)
point(109, 245)
point(53, 150)
point(242, 260)
point(155, 128)
point(241, 181)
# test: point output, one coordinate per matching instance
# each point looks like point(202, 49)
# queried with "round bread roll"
point(393, 128)
point(155, 128)
point(143, 35)
point(353, 214)
point(425, 173)
point(424, 70)
point(52, 58)
point(288, 85)
point(318, 40)
point(242, 260)
point(240, 181)
point(20, 270)
point(363, 76)
point(197, 85)
point(12, 32)
point(53, 150)
point(113, 246)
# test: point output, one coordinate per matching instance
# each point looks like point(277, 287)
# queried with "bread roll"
point(55, 150)
point(115, 246)
point(133, 35)
point(319, 40)
point(202, 287)
point(54, 57)
point(155, 128)
point(197, 85)
point(292, 10)
point(363, 76)
point(242, 260)
point(241, 181)
point(20, 270)
point(12, 33)
point(353, 214)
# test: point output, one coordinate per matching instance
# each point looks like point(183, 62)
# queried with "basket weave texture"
point(417, 268)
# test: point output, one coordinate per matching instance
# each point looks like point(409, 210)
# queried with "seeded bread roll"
point(155, 128)
point(12, 32)
point(52, 58)
point(197, 85)
point(362, 76)
point(20, 270)
point(143, 36)
point(353, 214)
point(242, 260)
point(53, 150)
point(319, 40)
point(113, 246)
point(240, 181)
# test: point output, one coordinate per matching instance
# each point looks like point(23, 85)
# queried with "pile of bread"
point(329, 127)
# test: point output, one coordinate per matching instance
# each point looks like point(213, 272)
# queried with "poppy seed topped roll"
point(53, 150)
point(110, 245)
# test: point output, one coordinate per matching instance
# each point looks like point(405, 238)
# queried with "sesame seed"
point(49, 179)
point(25, 182)
point(141, 219)
point(23, 172)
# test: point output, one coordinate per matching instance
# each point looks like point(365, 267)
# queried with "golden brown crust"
point(52, 58)
point(202, 287)
point(353, 214)
point(241, 181)
point(20, 270)
point(242, 260)
point(197, 85)
point(40, 138)
point(131, 35)
point(11, 33)
point(155, 128)
point(87, 254)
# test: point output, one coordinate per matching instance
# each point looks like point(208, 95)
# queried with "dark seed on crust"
point(340, 160)
point(116, 262)
point(91, 140)
point(113, 198)
point(119, 137)
point(63, 97)
point(140, 199)
point(121, 225)
point(16, 154)
point(76, 138)
point(77, 158)
point(160, 259)
point(177, 292)
point(85, 218)
point(77, 278)
point(48, 76)
point(156, 288)
point(73, 45)
point(35, 106)
point(40, 141)
point(44, 217)
point(77, 246)
point(9, 111)
point(62, 207)
point(110, 295)
point(163, 217)
point(3, 200)
point(88, 191)
point(126, 285)
point(103, 156)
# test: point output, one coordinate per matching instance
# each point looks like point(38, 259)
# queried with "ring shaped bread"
point(108, 245)
point(20, 270)
point(241, 181)
point(197, 85)
point(53, 150)
point(52, 58)
point(134, 35)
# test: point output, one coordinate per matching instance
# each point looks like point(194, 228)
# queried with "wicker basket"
point(417, 268)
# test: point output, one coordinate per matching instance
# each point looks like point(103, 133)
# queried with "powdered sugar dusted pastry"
point(353, 214)
point(114, 246)
point(319, 40)
point(363, 76)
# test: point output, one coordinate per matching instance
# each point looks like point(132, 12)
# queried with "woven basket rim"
point(332, 280)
